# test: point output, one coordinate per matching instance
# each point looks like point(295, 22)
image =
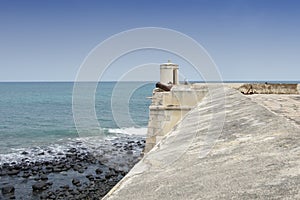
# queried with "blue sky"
point(248, 39)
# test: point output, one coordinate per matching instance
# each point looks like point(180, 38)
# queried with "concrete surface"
point(287, 106)
point(255, 156)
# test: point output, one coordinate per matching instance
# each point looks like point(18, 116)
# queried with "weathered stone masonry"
point(168, 108)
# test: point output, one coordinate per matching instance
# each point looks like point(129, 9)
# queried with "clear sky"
point(248, 39)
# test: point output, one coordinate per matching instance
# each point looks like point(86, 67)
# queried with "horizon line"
point(110, 81)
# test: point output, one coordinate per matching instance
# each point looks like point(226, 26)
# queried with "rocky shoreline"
point(77, 173)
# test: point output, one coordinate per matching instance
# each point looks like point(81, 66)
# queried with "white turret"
point(169, 73)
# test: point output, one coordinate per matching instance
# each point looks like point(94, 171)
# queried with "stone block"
point(151, 140)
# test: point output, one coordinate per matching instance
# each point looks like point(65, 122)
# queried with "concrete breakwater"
point(256, 154)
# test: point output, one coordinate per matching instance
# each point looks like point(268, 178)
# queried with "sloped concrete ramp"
point(255, 156)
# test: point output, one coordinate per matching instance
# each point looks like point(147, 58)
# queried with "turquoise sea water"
point(40, 113)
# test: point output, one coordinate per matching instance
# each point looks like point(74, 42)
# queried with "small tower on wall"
point(169, 73)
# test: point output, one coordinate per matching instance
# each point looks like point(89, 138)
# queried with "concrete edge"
point(131, 174)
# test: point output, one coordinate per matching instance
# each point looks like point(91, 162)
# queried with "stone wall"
point(255, 156)
point(168, 108)
point(269, 88)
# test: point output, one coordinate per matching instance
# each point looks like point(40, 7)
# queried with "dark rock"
point(50, 193)
point(122, 164)
point(75, 181)
point(49, 167)
point(56, 169)
point(24, 160)
point(26, 175)
point(75, 192)
point(41, 153)
point(37, 163)
point(90, 176)
point(17, 167)
point(72, 150)
point(3, 172)
point(41, 185)
point(123, 173)
point(9, 189)
point(67, 166)
point(70, 155)
point(34, 173)
point(99, 171)
point(65, 187)
point(5, 165)
point(35, 168)
point(10, 196)
point(109, 169)
point(24, 153)
point(113, 172)
point(13, 172)
point(76, 167)
point(130, 147)
point(61, 165)
point(55, 162)
point(44, 177)
point(108, 175)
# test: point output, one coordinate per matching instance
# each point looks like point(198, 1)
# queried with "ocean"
point(37, 116)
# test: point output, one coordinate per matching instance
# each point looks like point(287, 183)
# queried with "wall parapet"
point(269, 88)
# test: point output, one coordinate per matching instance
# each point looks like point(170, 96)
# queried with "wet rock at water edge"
point(40, 185)
point(90, 177)
point(76, 182)
point(24, 153)
point(72, 150)
point(44, 177)
point(9, 189)
point(2, 173)
point(26, 174)
point(99, 171)
point(13, 172)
